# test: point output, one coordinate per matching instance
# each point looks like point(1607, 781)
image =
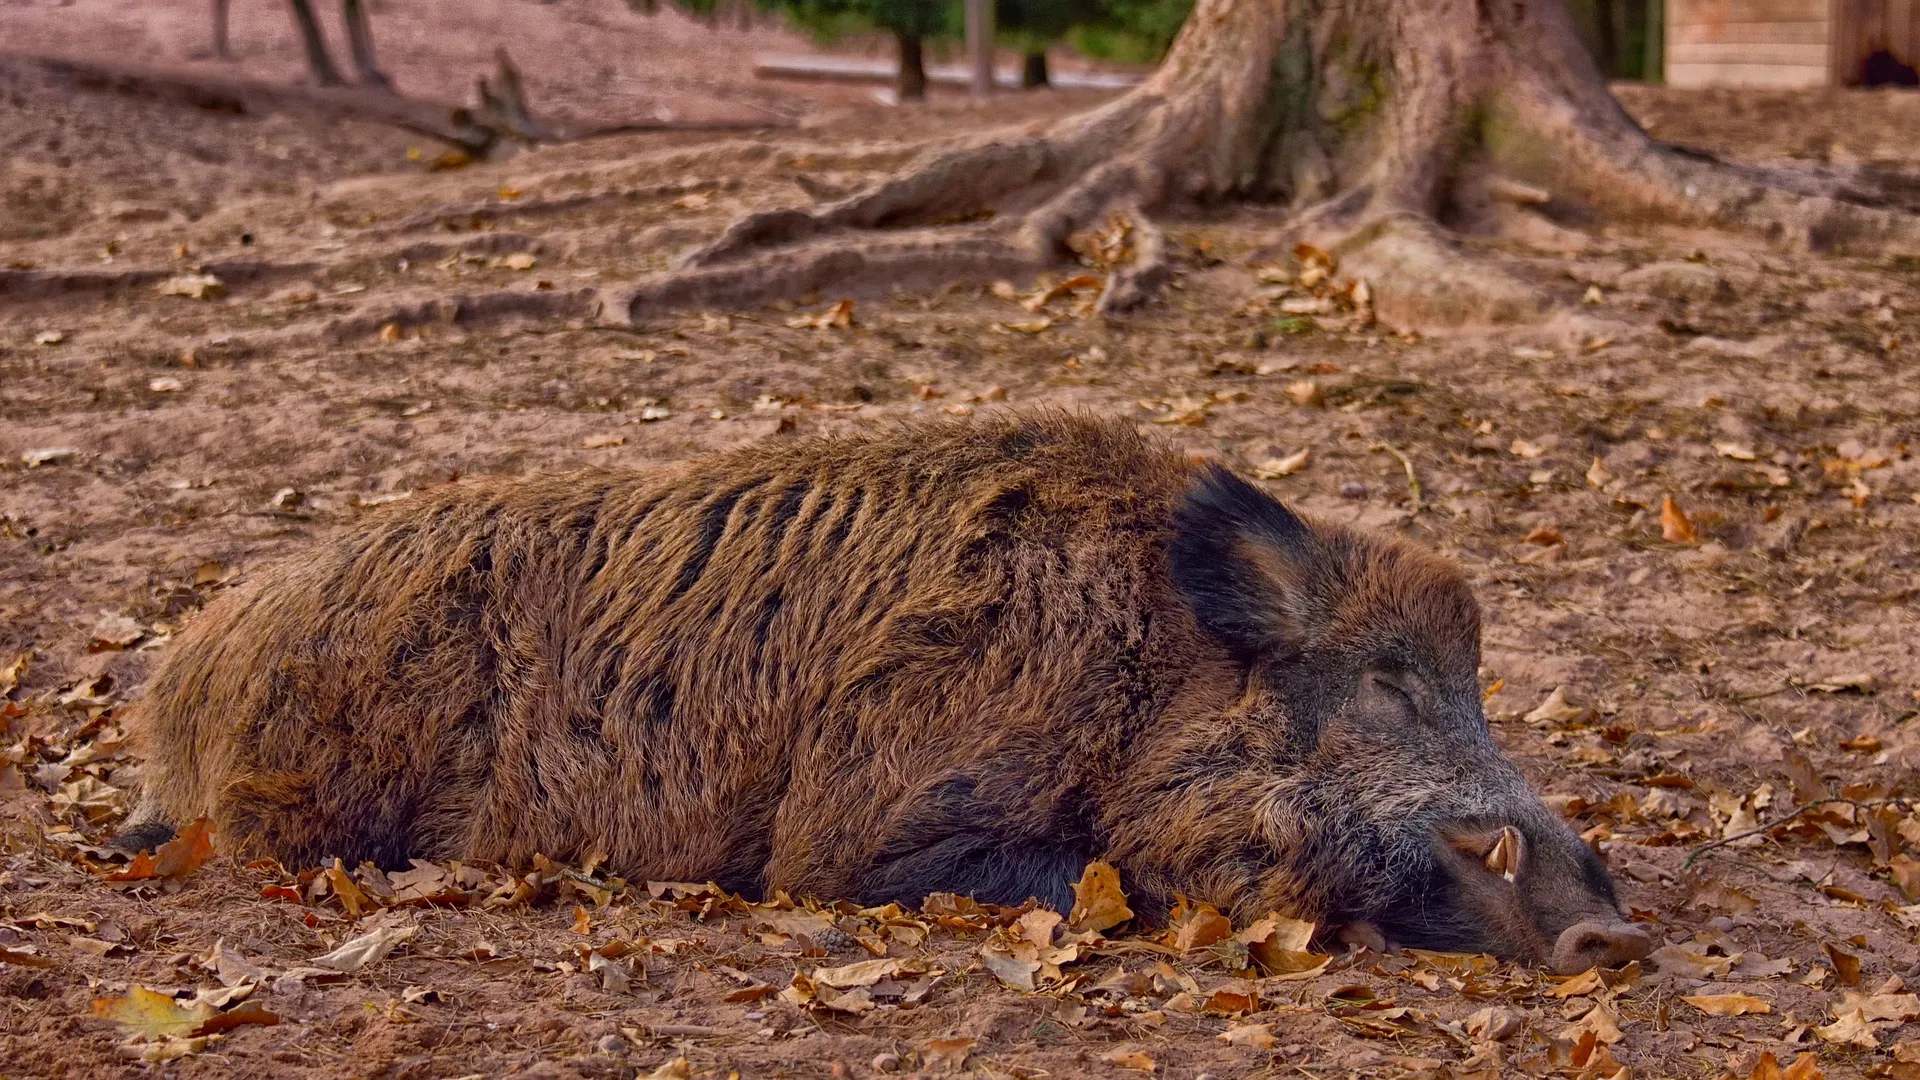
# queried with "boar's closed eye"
point(1399, 688)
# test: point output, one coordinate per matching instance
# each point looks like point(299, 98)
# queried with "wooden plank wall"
point(1861, 27)
point(1773, 43)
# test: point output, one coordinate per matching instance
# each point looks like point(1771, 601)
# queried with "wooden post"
point(1654, 65)
point(980, 44)
point(222, 50)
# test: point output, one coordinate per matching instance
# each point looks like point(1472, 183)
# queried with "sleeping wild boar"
point(963, 658)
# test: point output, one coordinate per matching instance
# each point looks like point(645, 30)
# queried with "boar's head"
point(1388, 802)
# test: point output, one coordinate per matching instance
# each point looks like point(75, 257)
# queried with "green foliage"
point(1032, 25)
point(1130, 31)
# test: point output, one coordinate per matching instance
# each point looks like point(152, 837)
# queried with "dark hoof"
point(145, 836)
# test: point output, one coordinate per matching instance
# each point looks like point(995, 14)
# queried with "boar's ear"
point(1240, 558)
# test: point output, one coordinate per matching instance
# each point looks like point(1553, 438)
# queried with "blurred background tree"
point(911, 22)
point(1130, 31)
point(1033, 26)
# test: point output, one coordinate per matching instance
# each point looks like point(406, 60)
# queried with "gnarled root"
point(1373, 119)
point(943, 217)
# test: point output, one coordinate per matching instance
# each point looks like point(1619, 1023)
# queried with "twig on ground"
point(1413, 480)
point(1770, 826)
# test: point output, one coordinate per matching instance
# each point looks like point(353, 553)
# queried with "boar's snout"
point(1530, 889)
point(1598, 944)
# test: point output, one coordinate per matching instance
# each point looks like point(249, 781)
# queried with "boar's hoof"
point(1362, 935)
point(1598, 944)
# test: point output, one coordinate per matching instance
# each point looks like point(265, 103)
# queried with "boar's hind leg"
point(975, 866)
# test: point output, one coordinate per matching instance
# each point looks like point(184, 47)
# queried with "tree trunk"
point(1033, 72)
point(913, 68)
point(360, 39)
point(318, 61)
point(1383, 125)
point(222, 49)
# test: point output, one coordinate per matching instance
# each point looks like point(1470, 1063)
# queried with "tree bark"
point(318, 61)
point(222, 48)
point(1033, 71)
point(360, 40)
point(1384, 126)
point(913, 68)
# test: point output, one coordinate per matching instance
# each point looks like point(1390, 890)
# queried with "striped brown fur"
point(963, 657)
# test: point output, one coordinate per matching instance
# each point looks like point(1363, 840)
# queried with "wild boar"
point(945, 657)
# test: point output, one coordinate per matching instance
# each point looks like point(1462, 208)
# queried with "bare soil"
point(157, 444)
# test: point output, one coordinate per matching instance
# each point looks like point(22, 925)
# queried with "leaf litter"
point(1658, 750)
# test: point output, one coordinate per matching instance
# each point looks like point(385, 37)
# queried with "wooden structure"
point(1792, 43)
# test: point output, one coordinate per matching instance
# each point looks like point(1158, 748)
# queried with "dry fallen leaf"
point(946, 1055)
point(47, 455)
point(1306, 393)
point(1013, 972)
point(1675, 526)
point(115, 632)
point(1689, 964)
point(247, 1012)
point(195, 286)
point(346, 890)
point(1098, 902)
point(231, 968)
point(1275, 468)
point(677, 1069)
point(150, 1014)
point(1137, 1060)
point(19, 958)
point(1494, 1024)
point(1717, 896)
point(1728, 1004)
point(1899, 1008)
point(1038, 926)
point(865, 973)
point(370, 947)
point(1805, 1067)
point(1556, 709)
point(1587, 982)
point(1027, 326)
point(1280, 947)
point(190, 848)
point(837, 317)
point(1852, 1029)
point(1203, 926)
point(1846, 966)
point(1597, 474)
point(1601, 1021)
point(1258, 1036)
point(613, 977)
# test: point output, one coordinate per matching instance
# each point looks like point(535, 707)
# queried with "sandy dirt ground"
point(1688, 502)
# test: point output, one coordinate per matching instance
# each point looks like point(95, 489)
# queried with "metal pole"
point(980, 44)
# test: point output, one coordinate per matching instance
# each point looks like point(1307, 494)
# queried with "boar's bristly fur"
point(946, 657)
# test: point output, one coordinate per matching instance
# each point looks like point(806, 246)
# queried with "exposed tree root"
point(476, 215)
point(21, 285)
point(1376, 121)
point(467, 311)
point(500, 117)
